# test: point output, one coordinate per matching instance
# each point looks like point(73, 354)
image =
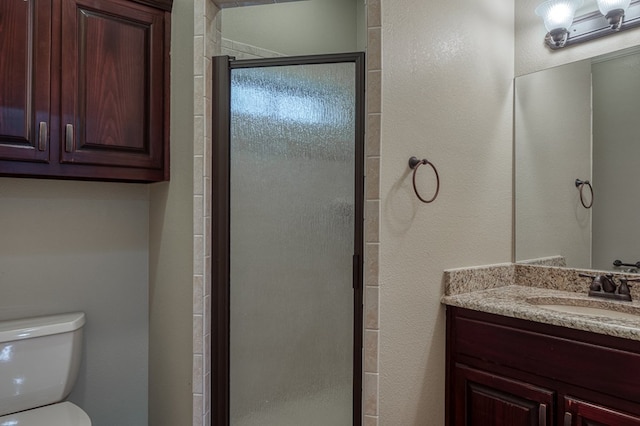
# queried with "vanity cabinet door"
point(582, 413)
point(113, 87)
point(25, 56)
point(483, 398)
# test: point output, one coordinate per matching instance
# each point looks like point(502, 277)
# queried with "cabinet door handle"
point(68, 141)
point(568, 419)
point(542, 415)
point(42, 136)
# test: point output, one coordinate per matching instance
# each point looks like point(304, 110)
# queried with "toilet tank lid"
point(28, 328)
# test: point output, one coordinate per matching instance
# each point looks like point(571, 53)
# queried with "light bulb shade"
point(558, 14)
point(607, 6)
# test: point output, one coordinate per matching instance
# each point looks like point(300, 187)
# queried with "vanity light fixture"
point(614, 11)
point(563, 30)
point(558, 17)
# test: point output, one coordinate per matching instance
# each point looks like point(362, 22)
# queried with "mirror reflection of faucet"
point(605, 286)
point(633, 268)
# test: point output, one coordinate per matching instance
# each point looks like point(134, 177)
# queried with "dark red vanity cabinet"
point(511, 372)
point(25, 67)
point(582, 413)
point(92, 85)
point(490, 399)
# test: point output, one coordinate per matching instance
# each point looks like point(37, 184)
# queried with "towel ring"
point(580, 185)
point(414, 163)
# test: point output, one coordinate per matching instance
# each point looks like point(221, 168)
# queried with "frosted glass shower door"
point(292, 238)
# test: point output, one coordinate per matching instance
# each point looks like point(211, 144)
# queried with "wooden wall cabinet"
point(25, 67)
point(85, 89)
point(505, 371)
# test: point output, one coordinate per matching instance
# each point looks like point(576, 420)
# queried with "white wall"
point(361, 26)
point(447, 79)
point(296, 28)
point(171, 264)
point(616, 93)
point(552, 149)
point(83, 246)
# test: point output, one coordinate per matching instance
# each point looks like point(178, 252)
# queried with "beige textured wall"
point(83, 246)
point(294, 28)
point(552, 149)
point(446, 95)
point(532, 55)
point(171, 246)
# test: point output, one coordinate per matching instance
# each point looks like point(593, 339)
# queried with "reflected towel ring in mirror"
point(580, 185)
point(619, 263)
point(414, 163)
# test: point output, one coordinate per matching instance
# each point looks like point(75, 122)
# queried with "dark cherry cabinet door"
point(484, 399)
point(25, 57)
point(112, 97)
point(582, 413)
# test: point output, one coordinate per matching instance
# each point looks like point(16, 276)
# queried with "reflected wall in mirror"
point(579, 121)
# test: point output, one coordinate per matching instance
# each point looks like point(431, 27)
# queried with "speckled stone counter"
point(515, 290)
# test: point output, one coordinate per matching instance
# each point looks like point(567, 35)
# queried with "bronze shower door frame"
point(220, 223)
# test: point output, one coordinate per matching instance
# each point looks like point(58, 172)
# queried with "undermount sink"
point(591, 307)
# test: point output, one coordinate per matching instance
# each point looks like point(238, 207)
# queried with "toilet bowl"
point(60, 414)
point(39, 362)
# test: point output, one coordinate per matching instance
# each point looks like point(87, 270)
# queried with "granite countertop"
point(521, 299)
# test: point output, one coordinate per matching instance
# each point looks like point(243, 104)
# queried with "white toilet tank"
point(39, 360)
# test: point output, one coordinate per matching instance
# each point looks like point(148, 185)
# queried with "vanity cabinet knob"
point(68, 145)
point(542, 415)
point(568, 419)
point(42, 136)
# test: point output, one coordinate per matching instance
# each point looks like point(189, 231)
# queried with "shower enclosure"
point(287, 241)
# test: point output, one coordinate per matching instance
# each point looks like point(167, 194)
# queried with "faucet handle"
point(596, 284)
point(624, 287)
point(586, 275)
point(603, 282)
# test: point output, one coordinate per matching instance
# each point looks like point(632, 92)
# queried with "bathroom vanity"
point(510, 362)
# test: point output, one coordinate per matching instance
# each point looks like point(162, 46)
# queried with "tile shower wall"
point(372, 212)
point(208, 43)
point(246, 51)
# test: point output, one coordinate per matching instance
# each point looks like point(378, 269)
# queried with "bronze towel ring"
point(414, 163)
point(580, 185)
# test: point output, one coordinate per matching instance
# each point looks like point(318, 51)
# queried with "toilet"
point(39, 362)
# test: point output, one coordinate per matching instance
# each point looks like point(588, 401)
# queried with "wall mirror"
point(579, 121)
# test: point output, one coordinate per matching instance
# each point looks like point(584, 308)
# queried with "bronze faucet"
point(605, 286)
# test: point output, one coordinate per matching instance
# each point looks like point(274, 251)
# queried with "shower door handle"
point(356, 272)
